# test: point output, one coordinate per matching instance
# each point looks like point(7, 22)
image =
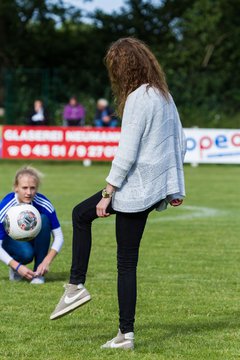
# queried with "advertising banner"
point(0, 141)
point(217, 146)
point(67, 143)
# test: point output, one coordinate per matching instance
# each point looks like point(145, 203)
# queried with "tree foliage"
point(195, 41)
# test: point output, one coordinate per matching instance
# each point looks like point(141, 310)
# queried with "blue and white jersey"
point(40, 202)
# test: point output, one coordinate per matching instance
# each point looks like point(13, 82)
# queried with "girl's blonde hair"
point(30, 171)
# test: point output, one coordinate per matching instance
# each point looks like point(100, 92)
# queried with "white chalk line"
point(190, 212)
point(193, 212)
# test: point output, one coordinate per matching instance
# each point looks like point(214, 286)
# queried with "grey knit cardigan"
point(148, 165)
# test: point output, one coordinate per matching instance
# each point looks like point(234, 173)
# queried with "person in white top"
point(17, 254)
point(38, 115)
point(146, 174)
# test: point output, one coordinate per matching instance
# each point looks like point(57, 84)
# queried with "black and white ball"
point(22, 222)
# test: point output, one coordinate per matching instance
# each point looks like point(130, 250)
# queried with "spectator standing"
point(74, 113)
point(104, 115)
point(38, 115)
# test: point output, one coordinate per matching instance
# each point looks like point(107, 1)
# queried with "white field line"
point(193, 212)
point(190, 212)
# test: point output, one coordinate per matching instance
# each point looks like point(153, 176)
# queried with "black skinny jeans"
point(129, 230)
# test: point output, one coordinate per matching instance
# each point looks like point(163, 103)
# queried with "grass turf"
point(188, 276)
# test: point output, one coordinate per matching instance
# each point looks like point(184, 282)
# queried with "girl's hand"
point(43, 268)
point(102, 207)
point(25, 272)
point(176, 202)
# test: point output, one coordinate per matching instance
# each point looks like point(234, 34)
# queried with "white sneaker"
point(73, 297)
point(121, 341)
point(38, 280)
point(14, 275)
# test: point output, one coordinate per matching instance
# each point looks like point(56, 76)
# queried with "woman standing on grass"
point(146, 174)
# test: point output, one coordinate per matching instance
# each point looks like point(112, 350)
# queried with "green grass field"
point(188, 276)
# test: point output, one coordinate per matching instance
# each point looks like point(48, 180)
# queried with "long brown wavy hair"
point(130, 63)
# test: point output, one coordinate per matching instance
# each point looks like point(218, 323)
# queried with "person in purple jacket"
point(74, 113)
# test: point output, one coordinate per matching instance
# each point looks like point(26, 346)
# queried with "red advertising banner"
point(0, 141)
point(215, 146)
point(59, 143)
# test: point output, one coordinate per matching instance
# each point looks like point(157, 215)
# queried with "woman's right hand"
point(176, 202)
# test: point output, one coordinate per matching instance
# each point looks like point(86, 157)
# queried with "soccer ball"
point(22, 222)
